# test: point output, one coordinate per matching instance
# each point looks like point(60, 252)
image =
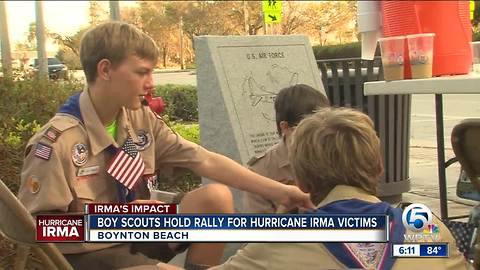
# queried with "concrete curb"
point(416, 143)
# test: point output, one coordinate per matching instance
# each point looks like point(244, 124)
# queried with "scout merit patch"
point(33, 184)
point(79, 154)
point(52, 134)
point(43, 151)
point(144, 140)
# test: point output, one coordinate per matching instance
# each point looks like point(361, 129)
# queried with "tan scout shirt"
point(63, 181)
point(274, 165)
point(315, 256)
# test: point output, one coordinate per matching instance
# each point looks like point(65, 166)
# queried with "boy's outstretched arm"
point(229, 172)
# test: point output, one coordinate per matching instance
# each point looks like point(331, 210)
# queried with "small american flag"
point(127, 165)
point(43, 151)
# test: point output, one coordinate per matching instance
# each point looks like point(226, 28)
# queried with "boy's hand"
point(294, 197)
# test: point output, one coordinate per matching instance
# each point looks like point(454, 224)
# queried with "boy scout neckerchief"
point(344, 252)
point(72, 108)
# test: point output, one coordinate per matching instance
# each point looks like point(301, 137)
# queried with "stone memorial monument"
point(238, 78)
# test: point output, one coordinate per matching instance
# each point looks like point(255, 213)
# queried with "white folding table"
point(460, 84)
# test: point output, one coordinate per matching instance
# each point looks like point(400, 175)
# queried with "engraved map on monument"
point(253, 76)
point(259, 90)
point(276, 78)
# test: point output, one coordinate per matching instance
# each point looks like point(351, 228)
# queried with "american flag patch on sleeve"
point(52, 134)
point(43, 151)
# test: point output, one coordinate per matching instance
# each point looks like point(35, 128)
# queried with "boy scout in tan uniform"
point(66, 162)
point(335, 154)
point(71, 177)
point(272, 164)
point(315, 256)
point(291, 105)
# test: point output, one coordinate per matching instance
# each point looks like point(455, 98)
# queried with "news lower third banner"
point(161, 223)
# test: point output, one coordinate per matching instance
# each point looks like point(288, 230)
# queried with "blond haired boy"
point(335, 155)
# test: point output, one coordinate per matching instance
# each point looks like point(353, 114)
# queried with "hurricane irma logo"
point(416, 217)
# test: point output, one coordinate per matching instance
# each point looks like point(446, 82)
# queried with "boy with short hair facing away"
point(292, 104)
point(335, 156)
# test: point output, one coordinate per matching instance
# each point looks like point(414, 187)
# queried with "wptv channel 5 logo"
point(417, 219)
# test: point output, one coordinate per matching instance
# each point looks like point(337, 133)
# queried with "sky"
point(61, 17)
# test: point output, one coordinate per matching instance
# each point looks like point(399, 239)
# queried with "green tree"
point(71, 42)
point(25, 46)
point(30, 42)
point(162, 20)
point(208, 17)
point(70, 59)
point(69, 51)
point(96, 13)
point(293, 18)
point(251, 11)
point(152, 18)
point(331, 17)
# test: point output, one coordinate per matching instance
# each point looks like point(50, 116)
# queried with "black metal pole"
point(442, 179)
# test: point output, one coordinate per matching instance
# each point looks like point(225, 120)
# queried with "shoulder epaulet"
point(63, 122)
point(58, 125)
point(254, 159)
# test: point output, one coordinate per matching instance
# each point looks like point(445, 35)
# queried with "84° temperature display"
point(420, 250)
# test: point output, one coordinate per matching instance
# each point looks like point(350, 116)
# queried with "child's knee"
point(216, 197)
point(217, 193)
point(212, 198)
